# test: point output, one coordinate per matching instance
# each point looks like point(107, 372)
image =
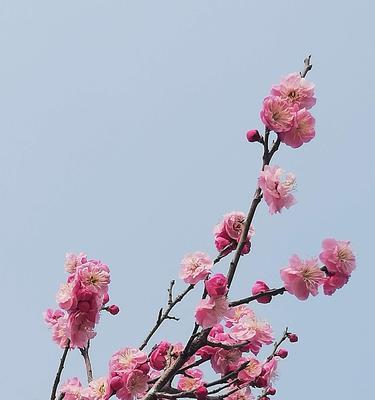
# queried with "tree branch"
point(85, 354)
point(246, 300)
point(165, 315)
point(59, 371)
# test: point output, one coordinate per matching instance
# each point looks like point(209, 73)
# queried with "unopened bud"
point(201, 393)
point(116, 383)
point(144, 368)
point(292, 337)
point(282, 353)
point(260, 287)
point(271, 391)
point(113, 309)
point(253, 136)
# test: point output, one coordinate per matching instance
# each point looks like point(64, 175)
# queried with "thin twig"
point(165, 315)
point(308, 66)
point(170, 292)
point(59, 371)
point(278, 344)
point(246, 300)
point(228, 346)
point(85, 354)
point(192, 365)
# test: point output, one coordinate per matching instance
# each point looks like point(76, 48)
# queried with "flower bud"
point(253, 136)
point(217, 286)
point(271, 391)
point(145, 368)
point(260, 287)
point(260, 381)
point(113, 309)
point(201, 393)
point(282, 353)
point(116, 383)
point(292, 337)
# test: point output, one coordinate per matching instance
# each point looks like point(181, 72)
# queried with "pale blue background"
point(122, 134)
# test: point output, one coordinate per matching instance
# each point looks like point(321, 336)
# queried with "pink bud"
point(271, 391)
point(260, 287)
point(105, 298)
point(292, 337)
point(264, 398)
point(113, 309)
point(217, 286)
point(260, 381)
point(201, 393)
point(253, 136)
point(116, 383)
point(282, 353)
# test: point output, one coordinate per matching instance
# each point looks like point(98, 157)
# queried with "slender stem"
point(59, 371)
point(165, 315)
point(246, 300)
point(278, 344)
point(85, 354)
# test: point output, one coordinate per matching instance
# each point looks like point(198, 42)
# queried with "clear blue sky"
point(122, 135)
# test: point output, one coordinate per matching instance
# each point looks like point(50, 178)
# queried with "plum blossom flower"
point(302, 278)
point(334, 282)
point(96, 390)
point(242, 394)
point(210, 312)
point(252, 370)
point(276, 192)
point(228, 232)
point(302, 130)
point(134, 385)
point(72, 261)
point(337, 256)
point(191, 381)
point(72, 389)
point(295, 89)
point(224, 361)
point(195, 267)
point(236, 313)
point(249, 328)
point(158, 357)
point(51, 316)
point(94, 276)
point(126, 360)
point(277, 114)
point(269, 371)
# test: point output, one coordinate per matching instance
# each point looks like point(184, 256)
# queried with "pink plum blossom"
point(126, 360)
point(72, 261)
point(72, 389)
point(253, 136)
point(251, 371)
point(210, 312)
point(191, 381)
point(134, 385)
point(242, 394)
point(51, 316)
point(276, 191)
point(249, 328)
point(297, 90)
point(269, 369)
point(224, 361)
point(236, 313)
point(94, 277)
point(96, 390)
point(277, 114)
point(216, 286)
point(302, 130)
point(158, 358)
point(337, 256)
point(302, 278)
point(195, 267)
point(334, 282)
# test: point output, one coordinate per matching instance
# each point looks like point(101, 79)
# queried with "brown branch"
point(246, 300)
point(62, 395)
point(308, 66)
point(192, 365)
point(278, 344)
point(85, 354)
point(228, 346)
point(165, 315)
point(59, 371)
point(170, 292)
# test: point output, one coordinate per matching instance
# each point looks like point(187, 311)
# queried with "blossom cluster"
point(285, 110)
point(304, 277)
point(80, 299)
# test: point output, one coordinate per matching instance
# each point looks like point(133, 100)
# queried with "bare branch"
point(59, 371)
point(246, 300)
point(85, 354)
point(164, 315)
